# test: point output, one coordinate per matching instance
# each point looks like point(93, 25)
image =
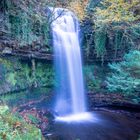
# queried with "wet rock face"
point(111, 100)
point(17, 74)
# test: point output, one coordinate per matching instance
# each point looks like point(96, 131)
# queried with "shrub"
point(125, 75)
point(14, 128)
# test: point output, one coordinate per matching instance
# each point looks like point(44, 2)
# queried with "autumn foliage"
point(79, 7)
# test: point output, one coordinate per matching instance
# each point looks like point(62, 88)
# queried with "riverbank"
point(35, 106)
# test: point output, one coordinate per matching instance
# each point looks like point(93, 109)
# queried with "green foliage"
point(18, 75)
point(100, 38)
point(122, 37)
point(78, 7)
point(93, 82)
point(33, 119)
point(22, 97)
point(125, 75)
point(27, 21)
point(45, 75)
point(11, 78)
point(14, 128)
point(92, 4)
point(3, 109)
point(113, 11)
point(116, 26)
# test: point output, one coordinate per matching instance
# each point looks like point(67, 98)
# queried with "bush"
point(14, 128)
point(125, 75)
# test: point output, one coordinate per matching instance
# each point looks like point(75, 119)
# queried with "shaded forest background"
point(110, 36)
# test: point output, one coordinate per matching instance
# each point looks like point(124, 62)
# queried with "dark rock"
point(112, 101)
point(51, 136)
point(44, 126)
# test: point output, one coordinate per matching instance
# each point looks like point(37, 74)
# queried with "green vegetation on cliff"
point(27, 23)
point(17, 75)
point(116, 27)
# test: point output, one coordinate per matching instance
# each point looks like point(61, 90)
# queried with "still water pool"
point(103, 125)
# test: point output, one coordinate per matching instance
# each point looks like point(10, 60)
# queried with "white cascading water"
point(70, 102)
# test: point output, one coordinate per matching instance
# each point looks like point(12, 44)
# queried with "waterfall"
point(68, 64)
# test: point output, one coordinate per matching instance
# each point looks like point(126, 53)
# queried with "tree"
point(114, 11)
point(125, 75)
point(79, 8)
point(116, 24)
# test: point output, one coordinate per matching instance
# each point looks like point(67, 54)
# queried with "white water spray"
point(70, 96)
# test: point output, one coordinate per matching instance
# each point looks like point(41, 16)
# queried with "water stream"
point(71, 96)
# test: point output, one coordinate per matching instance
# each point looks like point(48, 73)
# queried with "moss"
point(16, 75)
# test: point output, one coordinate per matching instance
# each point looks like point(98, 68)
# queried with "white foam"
point(76, 117)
